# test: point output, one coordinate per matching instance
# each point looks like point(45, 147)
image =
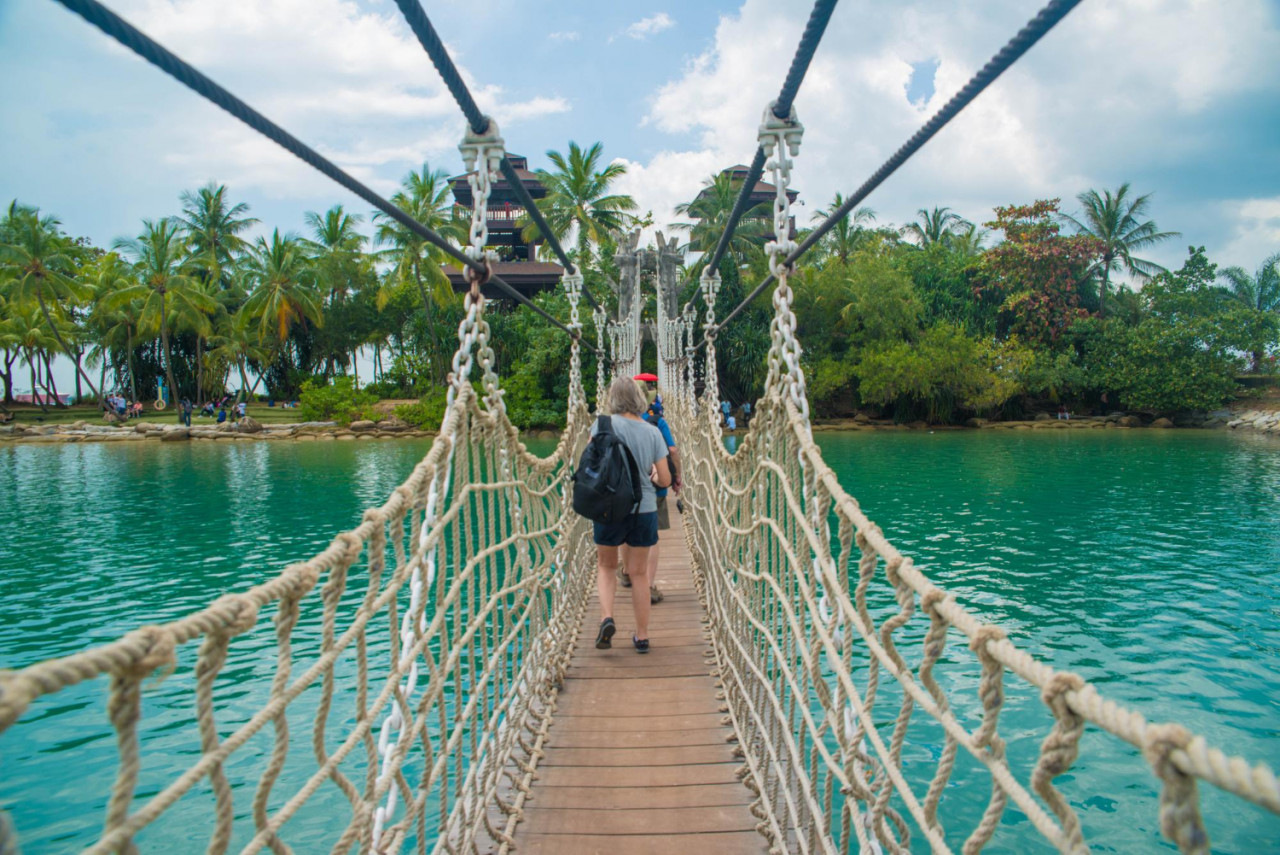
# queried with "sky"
point(1181, 98)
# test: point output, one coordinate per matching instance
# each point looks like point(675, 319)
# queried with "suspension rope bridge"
point(448, 618)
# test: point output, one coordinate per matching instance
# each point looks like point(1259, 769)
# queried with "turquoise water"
point(1146, 561)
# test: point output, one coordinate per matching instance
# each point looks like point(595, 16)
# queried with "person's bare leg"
point(606, 580)
point(638, 569)
point(652, 565)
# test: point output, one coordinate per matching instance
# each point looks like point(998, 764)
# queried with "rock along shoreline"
point(1263, 421)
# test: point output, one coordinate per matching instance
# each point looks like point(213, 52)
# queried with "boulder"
point(976, 423)
point(394, 424)
point(179, 435)
point(143, 427)
point(1129, 421)
point(1162, 423)
point(862, 418)
point(249, 424)
point(362, 425)
point(1043, 417)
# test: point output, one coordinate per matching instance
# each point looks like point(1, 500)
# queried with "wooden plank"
point(641, 820)
point(730, 843)
point(638, 758)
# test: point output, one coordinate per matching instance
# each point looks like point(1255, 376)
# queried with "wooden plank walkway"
point(638, 760)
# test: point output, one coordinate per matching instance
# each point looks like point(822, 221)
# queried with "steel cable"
point(427, 36)
point(809, 40)
point(159, 56)
point(1035, 29)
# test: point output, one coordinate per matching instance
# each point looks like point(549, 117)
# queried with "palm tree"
point(710, 210)
point(164, 288)
point(1115, 220)
point(238, 344)
point(39, 263)
point(213, 230)
point(935, 226)
point(578, 198)
point(284, 293)
point(335, 246)
point(1260, 292)
point(29, 332)
point(968, 242)
point(848, 231)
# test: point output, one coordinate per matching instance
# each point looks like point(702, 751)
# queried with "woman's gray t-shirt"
point(647, 446)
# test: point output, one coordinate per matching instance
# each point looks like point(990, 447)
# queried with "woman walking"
point(639, 530)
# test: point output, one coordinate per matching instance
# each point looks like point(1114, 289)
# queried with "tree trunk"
point(431, 326)
point(244, 380)
point(133, 373)
point(168, 359)
point(199, 370)
point(51, 385)
point(78, 353)
point(8, 375)
point(1106, 280)
point(44, 310)
point(35, 394)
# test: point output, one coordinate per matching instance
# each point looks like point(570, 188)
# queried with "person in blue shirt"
point(222, 415)
point(654, 416)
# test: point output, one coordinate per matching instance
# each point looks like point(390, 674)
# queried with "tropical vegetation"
point(940, 319)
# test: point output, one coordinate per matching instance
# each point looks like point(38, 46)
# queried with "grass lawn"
point(169, 416)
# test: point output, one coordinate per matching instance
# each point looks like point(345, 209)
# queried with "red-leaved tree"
point(1036, 273)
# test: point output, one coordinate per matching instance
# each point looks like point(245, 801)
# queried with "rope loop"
point(1180, 819)
point(156, 649)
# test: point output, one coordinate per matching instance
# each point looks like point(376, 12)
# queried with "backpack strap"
point(604, 425)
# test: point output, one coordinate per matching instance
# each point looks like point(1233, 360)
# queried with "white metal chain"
point(780, 140)
point(710, 281)
point(602, 321)
point(573, 290)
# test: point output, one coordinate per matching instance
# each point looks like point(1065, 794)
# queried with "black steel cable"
point(809, 40)
point(1035, 29)
point(430, 40)
point(156, 54)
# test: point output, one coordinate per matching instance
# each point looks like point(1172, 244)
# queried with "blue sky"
point(1179, 97)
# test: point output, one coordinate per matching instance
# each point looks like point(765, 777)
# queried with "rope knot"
point(985, 634)
point(1054, 695)
point(156, 648)
point(1180, 819)
point(239, 614)
point(930, 600)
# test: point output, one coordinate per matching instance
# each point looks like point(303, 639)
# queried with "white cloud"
point(1256, 234)
point(568, 36)
point(1106, 96)
point(650, 26)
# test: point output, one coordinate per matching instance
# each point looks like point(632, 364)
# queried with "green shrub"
point(427, 414)
point(341, 402)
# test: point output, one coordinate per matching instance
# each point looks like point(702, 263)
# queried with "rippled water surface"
point(1146, 561)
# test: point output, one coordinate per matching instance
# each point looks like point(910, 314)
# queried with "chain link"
point(780, 140)
point(573, 283)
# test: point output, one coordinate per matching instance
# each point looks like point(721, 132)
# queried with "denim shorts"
point(634, 530)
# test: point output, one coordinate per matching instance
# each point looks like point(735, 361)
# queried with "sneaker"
point(642, 645)
point(655, 596)
point(604, 638)
point(624, 579)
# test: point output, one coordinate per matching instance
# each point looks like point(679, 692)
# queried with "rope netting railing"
point(447, 661)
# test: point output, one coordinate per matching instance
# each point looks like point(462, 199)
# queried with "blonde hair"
point(625, 397)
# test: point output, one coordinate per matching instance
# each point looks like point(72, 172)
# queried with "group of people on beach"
point(123, 408)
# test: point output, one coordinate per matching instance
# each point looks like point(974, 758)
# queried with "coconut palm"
point(1117, 222)
point(164, 288)
point(238, 344)
point(29, 332)
point(335, 247)
point(935, 226)
point(38, 261)
point(711, 209)
point(578, 199)
point(848, 231)
point(284, 292)
point(1260, 292)
point(213, 230)
point(967, 242)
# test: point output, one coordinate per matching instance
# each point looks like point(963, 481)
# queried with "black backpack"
point(606, 487)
